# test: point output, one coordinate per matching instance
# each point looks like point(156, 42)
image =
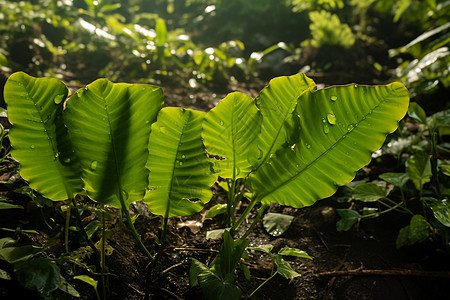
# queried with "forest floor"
point(362, 263)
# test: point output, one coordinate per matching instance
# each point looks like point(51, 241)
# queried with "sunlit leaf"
point(229, 130)
point(340, 127)
point(276, 224)
point(180, 175)
point(284, 268)
point(39, 138)
point(293, 252)
point(397, 179)
point(109, 124)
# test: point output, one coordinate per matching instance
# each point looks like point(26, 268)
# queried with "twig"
point(195, 249)
point(171, 267)
point(400, 272)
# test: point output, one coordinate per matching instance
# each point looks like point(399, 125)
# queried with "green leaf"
point(284, 268)
point(279, 126)
point(339, 129)
point(87, 279)
point(417, 113)
point(5, 275)
point(179, 168)
point(417, 231)
point(109, 124)
point(161, 32)
point(39, 138)
point(267, 248)
point(5, 205)
point(293, 252)
point(368, 192)
point(213, 287)
point(215, 234)
point(418, 168)
point(18, 254)
point(441, 209)
point(69, 289)
point(397, 179)
point(229, 130)
point(348, 218)
point(276, 224)
point(229, 255)
point(216, 210)
point(40, 274)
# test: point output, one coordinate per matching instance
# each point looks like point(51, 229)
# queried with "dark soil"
point(368, 246)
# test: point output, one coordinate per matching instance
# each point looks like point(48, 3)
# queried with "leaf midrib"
point(300, 172)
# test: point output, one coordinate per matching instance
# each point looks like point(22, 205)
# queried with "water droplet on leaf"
point(180, 163)
point(333, 98)
point(221, 123)
point(58, 99)
point(93, 165)
point(331, 119)
point(350, 127)
point(326, 129)
point(32, 146)
point(183, 156)
point(308, 146)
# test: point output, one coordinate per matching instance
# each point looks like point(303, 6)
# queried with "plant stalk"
point(265, 281)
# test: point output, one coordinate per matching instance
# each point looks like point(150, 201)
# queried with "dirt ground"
point(366, 247)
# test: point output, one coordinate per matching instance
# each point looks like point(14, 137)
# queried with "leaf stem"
point(243, 216)
point(136, 235)
point(265, 281)
point(256, 220)
point(83, 231)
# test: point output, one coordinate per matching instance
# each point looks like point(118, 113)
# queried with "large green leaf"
point(229, 130)
point(109, 124)
point(39, 138)
point(179, 168)
point(339, 129)
point(279, 126)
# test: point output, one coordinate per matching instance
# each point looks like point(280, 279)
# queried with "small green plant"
point(421, 191)
point(292, 145)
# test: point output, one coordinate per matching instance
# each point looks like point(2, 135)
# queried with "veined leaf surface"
point(229, 129)
point(179, 168)
point(339, 129)
point(276, 102)
point(109, 124)
point(39, 138)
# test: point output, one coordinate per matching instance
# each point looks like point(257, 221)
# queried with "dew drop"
point(308, 146)
point(147, 122)
point(350, 127)
point(355, 86)
point(333, 98)
point(180, 163)
point(58, 99)
point(326, 129)
point(66, 160)
point(183, 156)
point(32, 146)
point(323, 121)
point(221, 123)
point(93, 165)
point(331, 119)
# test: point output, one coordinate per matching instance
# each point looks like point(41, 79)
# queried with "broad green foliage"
point(339, 129)
point(39, 137)
point(109, 125)
point(228, 132)
point(327, 30)
point(279, 126)
point(179, 168)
